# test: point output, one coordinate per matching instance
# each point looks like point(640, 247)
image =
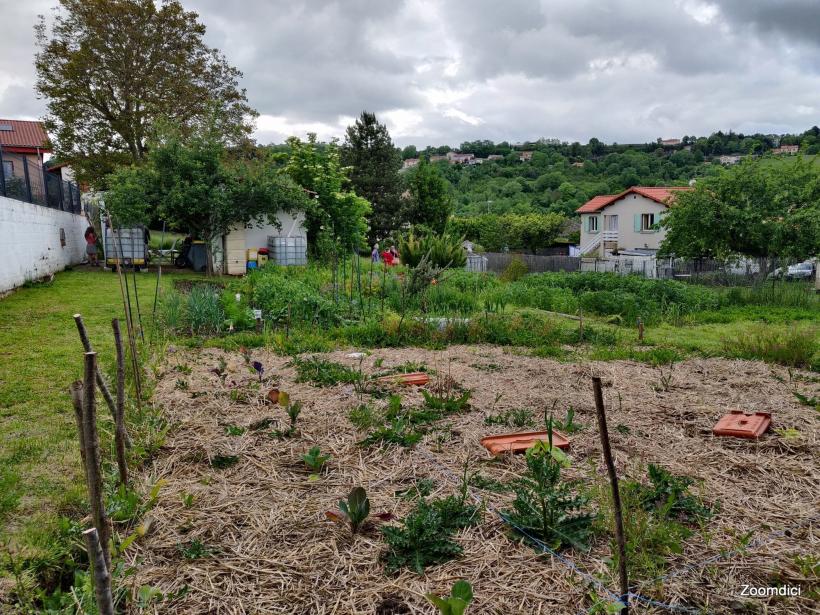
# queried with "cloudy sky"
point(445, 71)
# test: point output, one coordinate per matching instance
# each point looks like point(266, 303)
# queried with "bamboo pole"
point(137, 301)
point(616, 494)
point(92, 456)
point(102, 578)
point(120, 434)
point(106, 392)
point(159, 277)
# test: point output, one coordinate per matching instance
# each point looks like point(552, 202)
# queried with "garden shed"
point(241, 246)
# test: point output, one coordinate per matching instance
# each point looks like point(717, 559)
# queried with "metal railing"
point(25, 179)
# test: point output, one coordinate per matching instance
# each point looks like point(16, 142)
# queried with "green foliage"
point(203, 311)
point(421, 488)
point(568, 425)
point(795, 347)
point(113, 127)
point(516, 270)
point(456, 603)
point(363, 416)
point(513, 231)
point(545, 507)
point(356, 509)
point(430, 203)
point(442, 250)
point(375, 163)
point(399, 431)
point(423, 539)
point(447, 402)
point(314, 459)
point(515, 417)
point(275, 292)
point(322, 372)
point(336, 217)
point(195, 549)
point(752, 208)
point(669, 495)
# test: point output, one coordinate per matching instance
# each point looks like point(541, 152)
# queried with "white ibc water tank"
point(288, 250)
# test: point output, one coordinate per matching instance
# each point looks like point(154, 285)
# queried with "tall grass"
point(795, 347)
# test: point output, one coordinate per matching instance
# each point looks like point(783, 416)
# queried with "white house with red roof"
point(625, 221)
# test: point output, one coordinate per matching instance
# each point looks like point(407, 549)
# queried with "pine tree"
point(375, 163)
point(430, 203)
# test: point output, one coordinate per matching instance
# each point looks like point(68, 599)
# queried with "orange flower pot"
point(418, 379)
point(521, 441)
point(273, 396)
point(740, 425)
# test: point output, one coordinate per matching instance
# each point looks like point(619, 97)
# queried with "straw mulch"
point(274, 551)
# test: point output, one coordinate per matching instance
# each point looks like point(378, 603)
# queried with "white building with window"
point(625, 221)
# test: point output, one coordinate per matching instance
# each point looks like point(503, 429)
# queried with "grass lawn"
point(40, 355)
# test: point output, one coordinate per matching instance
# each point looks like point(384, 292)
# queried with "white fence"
point(37, 241)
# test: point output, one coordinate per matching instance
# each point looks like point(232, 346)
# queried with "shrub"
point(322, 372)
point(444, 250)
point(274, 292)
point(793, 346)
point(516, 270)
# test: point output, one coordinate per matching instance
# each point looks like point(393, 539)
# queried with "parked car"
point(800, 271)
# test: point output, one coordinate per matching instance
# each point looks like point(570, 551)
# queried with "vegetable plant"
point(424, 538)
point(545, 507)
point(356, 508)
point(314, 459)
point(456, 603)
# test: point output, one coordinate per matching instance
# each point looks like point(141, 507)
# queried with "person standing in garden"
point(91, 246)
point(374, 255)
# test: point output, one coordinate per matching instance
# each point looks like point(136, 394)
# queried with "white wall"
point(229, 256)
point(626, 209)
point(30, 241)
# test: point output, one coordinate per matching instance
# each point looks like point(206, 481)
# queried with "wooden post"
point(99, 377)
point(640, 330)
point(259, 325)
point(580, 324)
point(120, 434)
point(102, 578)
point(76, 392)
point(92, 457)
point(616, 494)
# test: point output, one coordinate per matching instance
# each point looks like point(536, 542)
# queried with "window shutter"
point(586, 223)
point(658, 219)
point(636, 222)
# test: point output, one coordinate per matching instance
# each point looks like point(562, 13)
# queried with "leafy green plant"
point(195, 549)
point(421, 488)
point(423, 539)
point(363, 416)
point(203, 311)
point(479, 481)
point(181, 384)
point(323, 373)
point(517, 417)
point(568, 425)
point(399, 431)
point(670, 494)
point(447, 403)
point(456, 603)
point(234, 430)
point(545, 507)
point(187, 500)
point(516, 270)
point(356, 508)
point(314, 459)
point(442, 251)
point(455, 511)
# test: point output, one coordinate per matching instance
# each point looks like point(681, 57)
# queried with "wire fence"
point(23, 178)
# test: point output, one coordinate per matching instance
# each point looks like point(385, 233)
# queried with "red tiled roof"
point(659, 194)
point(24, 134)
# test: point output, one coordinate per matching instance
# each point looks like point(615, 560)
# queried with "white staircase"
point(591, 245)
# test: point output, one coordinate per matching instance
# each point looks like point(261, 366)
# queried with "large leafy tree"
point(429, 204)
point(337, 218)
point(198, 188)
point(757, 208)
point(109, 69)
point(375, 163)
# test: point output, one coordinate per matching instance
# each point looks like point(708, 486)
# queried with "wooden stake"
point(102, 578)
point(99, 377)
point(616, 494)
point(640, 330)
point(92, 457)
point(120, 434)
point(581, 324)
point(76, 392)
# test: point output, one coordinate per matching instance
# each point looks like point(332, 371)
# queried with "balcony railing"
point(23, 179)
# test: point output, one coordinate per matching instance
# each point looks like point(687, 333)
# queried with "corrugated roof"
point(24, 134)
point(660, 194)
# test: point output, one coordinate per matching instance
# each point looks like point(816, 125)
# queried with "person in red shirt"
point(387, 257)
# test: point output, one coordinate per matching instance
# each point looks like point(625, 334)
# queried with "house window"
point(647, 222)
point(611, 223)
point(8, 169)
point(592, 224)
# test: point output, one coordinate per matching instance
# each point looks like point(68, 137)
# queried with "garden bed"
point(241, 523)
